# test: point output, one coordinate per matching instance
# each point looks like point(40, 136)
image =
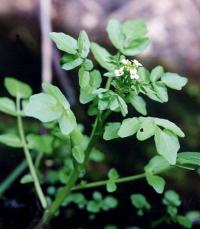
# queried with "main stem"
point(28, 156)
point(64, 192)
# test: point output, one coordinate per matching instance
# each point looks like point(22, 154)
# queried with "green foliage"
point(140, 202)
point(157, 164)
point(189, 158)
point(95, 205)
point(7, 106)
point(102, 56)
point(43, 144)
point(174, 81)
point(138, 103)
point(167, 145)
point(129, 37)
point(26, 179)
point(17, 88)
point(111, 185)
point(157, 182)
point(111, 131)
point(51, 106)
point(83, 44)
point(11, 140)
point(64, 143)
point(172, 201)
point(65, 42)
point(128, 127)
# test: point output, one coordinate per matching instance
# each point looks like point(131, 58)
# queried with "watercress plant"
point(128, 83)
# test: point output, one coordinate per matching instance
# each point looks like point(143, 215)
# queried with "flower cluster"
point(130, 67)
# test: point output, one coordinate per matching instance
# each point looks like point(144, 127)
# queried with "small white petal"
point(119, 72)
point(137, 63)
point(133, 71)
point(125, 61)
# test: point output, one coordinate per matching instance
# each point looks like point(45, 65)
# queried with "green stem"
point(28, 156)
point(38, 160)
point(108, 83)
point(50, 212)
point(118, 180)
point(104, 182)
point(64, 192)
point(12, 177)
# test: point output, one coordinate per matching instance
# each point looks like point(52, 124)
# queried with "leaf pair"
point(111, 185)
point(156, 165)
point(51, 106)
point(129, 37)
point(155, 84)
point(89, 82)
point(166, 140)
point(76, 51)
point(108, 99)
point(16, 89)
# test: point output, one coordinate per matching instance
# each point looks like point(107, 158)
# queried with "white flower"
point(125, 61)
point(133, 74)
point(119, 72)
point(137, 63)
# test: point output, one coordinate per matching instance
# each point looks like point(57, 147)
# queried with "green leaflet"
point(156, 73)
point(140, 202)
point(171, 198)
point(7, 106)
point(27, 178)
point(41, 143)
point(128, 127)
point(184, 221)
point(115, 34)
point(86, 95)
point(43, 107)
point(84, 78)
point(95, 79)
point(174, 81)
point(136, 40)
point(87, 65)
point(67, 122)
point(51, 106)
point(138, 103)
point(167, 144)
point(157, 164)
point(122, 105)
point(169, 125)
point(83, 44)
point(161, 91)
point(89, 84)
point(189, 158)
point(56, 93)
point(136, 46)
point(11, 140)
point(146, 128)
point(113, 174)
point(70, 62)
point(78, 153)
point(111, 186)
point(17, 88)
point(111, 131)
point(102, 56)
point(134, 29)
point(157, 182)
point(64, 42)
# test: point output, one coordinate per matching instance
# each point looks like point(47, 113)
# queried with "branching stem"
point(28, 156)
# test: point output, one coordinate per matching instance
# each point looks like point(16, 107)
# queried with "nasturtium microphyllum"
point(129, 82)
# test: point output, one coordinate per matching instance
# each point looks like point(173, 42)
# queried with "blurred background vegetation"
point(27, 54)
